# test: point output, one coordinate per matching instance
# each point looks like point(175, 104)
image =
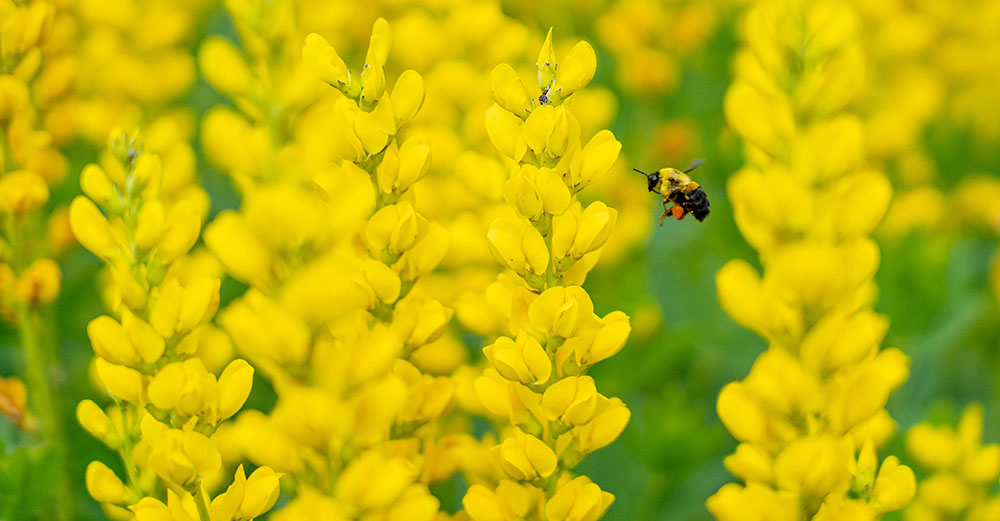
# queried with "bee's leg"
point(666, 211)
point(678, 212)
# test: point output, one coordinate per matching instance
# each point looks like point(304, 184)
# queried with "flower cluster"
point(810, 414)
point(332, 245)
point(152, 351)
point(963, 470)
point(548, 241)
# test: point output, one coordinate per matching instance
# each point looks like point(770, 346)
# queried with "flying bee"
point(685, 195)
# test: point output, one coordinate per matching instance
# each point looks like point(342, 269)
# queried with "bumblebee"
point(685, 195)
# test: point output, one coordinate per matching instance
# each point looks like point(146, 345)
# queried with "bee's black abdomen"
point(697, 203)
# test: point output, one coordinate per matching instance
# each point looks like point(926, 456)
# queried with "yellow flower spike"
point(525, 458)
point(22, 191)
point(91, 228)
point(609, 421)
point(104, 486)
point(523, 360)
point(594, 160)
point(146, 342)
point(393, 474)
point(39, 283)
point(223, 67)
point(538, 127)
point(894, 487)
point(181, 232)
point(751, 463)
point(509, 91)
point(546, 62)
point(593, 229)
point(576, 69)
point(572, 400)
point(150, 224)
point(92, 418)
point(407, 96)
point(122, 382)
point(231, 239)
point(323, 61)
point(97, 185)
point(578, 500)
point(181, 457)
point(247, 498)
point(814, 465)
point(504, 130)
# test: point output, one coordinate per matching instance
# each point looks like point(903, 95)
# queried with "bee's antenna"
point(641, 172)
point(694, 164)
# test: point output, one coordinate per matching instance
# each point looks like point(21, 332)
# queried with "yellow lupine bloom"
point(556, 415)
point(811, 412)
point(168, 404)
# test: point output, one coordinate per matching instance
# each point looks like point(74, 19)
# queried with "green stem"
point(202, 503)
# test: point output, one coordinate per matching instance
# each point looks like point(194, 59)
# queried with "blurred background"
point(933, 114)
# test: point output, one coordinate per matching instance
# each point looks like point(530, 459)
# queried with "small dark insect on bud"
point(544, 98)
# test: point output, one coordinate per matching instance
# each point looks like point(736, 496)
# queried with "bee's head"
point(652, 180)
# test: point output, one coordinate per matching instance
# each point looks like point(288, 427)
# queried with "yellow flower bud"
point(185, 386)
point(224, 68)
point(91, 228)
point(511, 500)
point(22, 191)
point(183, 225)
point(593, 229)
point(751, 463)
point(766, 122)
point(235, 384)
point(104, 486)
point(370, 127)
point(894, 487)
point(610, 419)
point(39, 283)
point(323, 61)
point(414, 162)
point(504, 130)
point(576, 69)
point(382, 283)
point(372, 77)
point(524, 457)
point(755, 502)
point(180, 456)
point(538, 127)
point(560, 309)
point(571, 400)
point(393, 474)
point(92, 418)
point(420, 321)
point(594, 159)
point(578, 500)
point(429, 399)
point(427, 253)
point(518, 246)
point(396, 227)
point(523, 360)
point(176, 509)
point(591, 346)
point(814, 465)
point(407, 96)
point(13, 97)
point(111, 342)
point(232, 240)
point(148, 172)
point(150, 223)
point(509, 91)
point(546, 62)
point(122, 382)
point(247, 498)
point(522, 194)
point(97, 185)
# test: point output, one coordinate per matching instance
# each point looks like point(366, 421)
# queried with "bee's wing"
point(694, 164)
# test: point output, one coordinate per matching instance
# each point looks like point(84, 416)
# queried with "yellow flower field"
point(393, 261)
